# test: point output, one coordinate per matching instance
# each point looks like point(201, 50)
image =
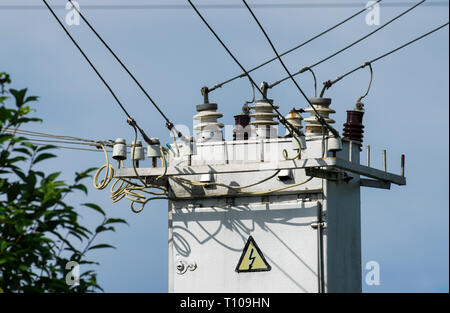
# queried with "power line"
point(44, 135)
point(131, 121)
point(223, 6)
point(329, 83)
point(351, 44)
point(296, 47)
point(168, 122)
point(280, 117)
point(318, 116)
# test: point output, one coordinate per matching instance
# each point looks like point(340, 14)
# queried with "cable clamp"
point(306, 68)
point(169, 125)
point(327, 84)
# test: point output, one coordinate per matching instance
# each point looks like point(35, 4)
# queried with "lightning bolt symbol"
point(252, 258)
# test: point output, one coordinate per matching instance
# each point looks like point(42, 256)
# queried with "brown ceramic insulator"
point(353, 129)
point(241, 131)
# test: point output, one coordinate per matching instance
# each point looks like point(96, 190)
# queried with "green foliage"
point(39, 232)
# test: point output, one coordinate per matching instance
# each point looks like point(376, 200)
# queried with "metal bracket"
point(327, 174)
point(315, 225)
point(183, 265)
point(373, 183)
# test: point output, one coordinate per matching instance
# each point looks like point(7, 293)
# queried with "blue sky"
point(404, 229)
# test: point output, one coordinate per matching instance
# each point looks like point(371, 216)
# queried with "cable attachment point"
point(133, 124)
point(264, 87)
point(307, 68)
point(326, 85)
point(169, 125)
point(205, 91)
point(358, 102)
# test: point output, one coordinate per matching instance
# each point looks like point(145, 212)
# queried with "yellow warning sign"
point(252, 259)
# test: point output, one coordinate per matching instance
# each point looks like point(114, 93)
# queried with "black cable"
point(280, 117)
point(330, 83)
point(294, 48)
point(318, 116)
point(89, 61)
point(130, 121)
point(352, 44)
point(168, 122)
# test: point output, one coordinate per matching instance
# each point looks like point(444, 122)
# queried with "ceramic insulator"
point(322, 107)
point(208, 128)
point(120, 149)
point(263, 119)
point(295, 119)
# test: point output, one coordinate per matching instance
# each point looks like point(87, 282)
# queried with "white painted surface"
point(214, 239)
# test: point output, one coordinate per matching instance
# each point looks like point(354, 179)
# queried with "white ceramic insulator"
point(322, 107)
point(208, 128)
point(153, 151)
point(334, 144)
point(120, 149)
point(263, 119)
point(295, 120)
point(138, 151)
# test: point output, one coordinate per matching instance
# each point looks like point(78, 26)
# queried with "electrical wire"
point(295, 48)
point(317, 114)
point(96, 71)
point(44, 135)
point(126, 188)
point(350, 45)
point(279, 115)
point(239, 189)
point(330, 83)
point(169, 124)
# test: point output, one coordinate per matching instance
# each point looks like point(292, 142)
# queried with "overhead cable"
point(130, 119)
point(330, 83)
point(169, 124)
point(280, 117)
point(294, 48)
point(317, 114)
point(348, 46)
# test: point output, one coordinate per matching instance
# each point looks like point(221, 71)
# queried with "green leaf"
point(24, 151)
point(19, 95)
point(53, 176)
point(101, 246)
point(102, 228)
point(80, 187)
point(115, 221)
point(47, 147)
point(85, 174)
point(95, 207)
point(43, 156)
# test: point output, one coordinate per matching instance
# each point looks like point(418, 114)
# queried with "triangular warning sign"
point(252, 259)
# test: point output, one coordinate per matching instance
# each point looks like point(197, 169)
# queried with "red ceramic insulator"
point(353, 129)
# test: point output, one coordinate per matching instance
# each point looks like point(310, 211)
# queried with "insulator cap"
point(322, 107)
point(154, 150)
point(208, 128)
point(353, 129)
point(120, 149)
point(263, 118)
point(295, 119)
point(138, 151)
